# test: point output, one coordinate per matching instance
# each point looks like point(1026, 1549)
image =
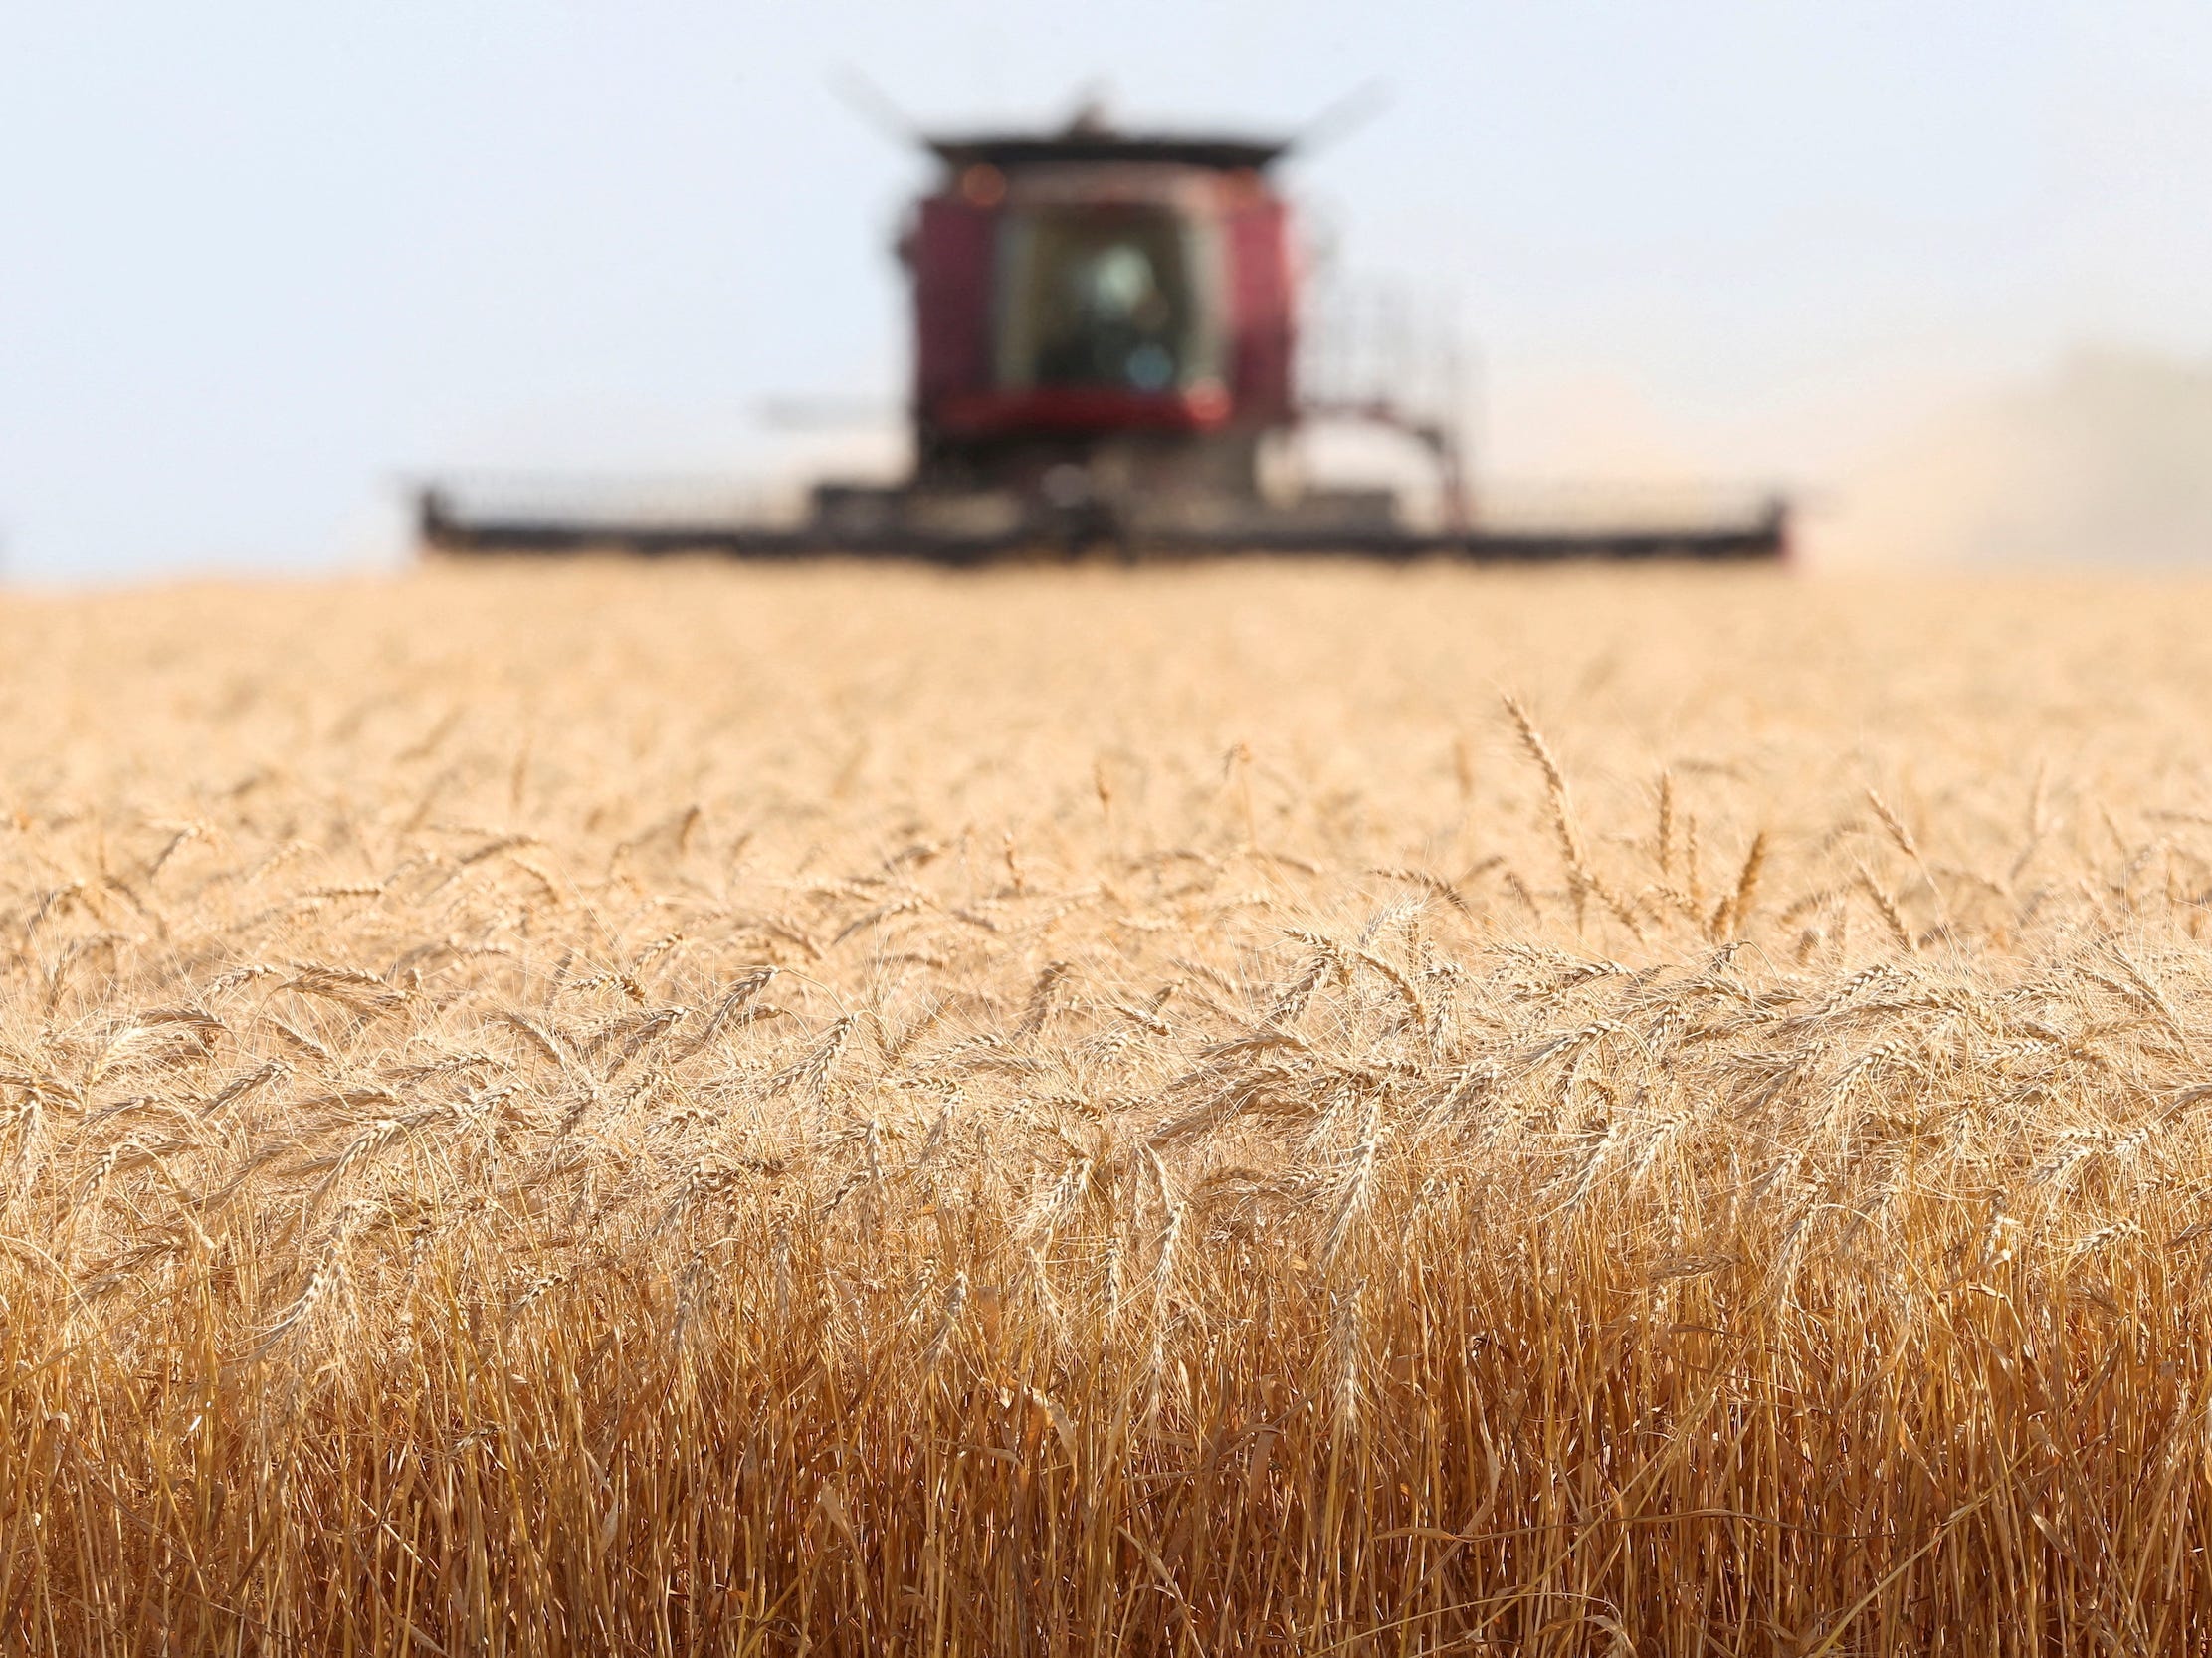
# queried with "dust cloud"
point(2105, 460)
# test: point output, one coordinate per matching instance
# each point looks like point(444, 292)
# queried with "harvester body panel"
point(950, 253)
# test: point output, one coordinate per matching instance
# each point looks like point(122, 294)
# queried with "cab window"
point(1101, 299)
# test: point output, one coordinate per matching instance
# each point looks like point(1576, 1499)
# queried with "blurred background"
point(1943, 269)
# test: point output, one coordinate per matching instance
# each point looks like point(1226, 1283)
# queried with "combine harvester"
point(1105, 334)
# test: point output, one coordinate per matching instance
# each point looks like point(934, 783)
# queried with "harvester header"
point(1105, 346)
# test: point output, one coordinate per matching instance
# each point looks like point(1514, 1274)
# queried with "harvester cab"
point(1104, 331)
point(1106, 340)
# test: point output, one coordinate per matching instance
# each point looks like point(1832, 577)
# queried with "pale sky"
point(257, 261)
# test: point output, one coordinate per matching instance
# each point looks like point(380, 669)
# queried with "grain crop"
point(1293, 1110)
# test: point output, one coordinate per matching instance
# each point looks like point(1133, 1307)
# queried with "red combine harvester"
point(1105, 344)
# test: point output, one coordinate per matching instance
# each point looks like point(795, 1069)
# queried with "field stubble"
point(1215, 1112)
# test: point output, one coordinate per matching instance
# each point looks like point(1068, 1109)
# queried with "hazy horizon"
point(1938, 267)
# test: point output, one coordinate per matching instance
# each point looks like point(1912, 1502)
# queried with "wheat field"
point(1293, 1110)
